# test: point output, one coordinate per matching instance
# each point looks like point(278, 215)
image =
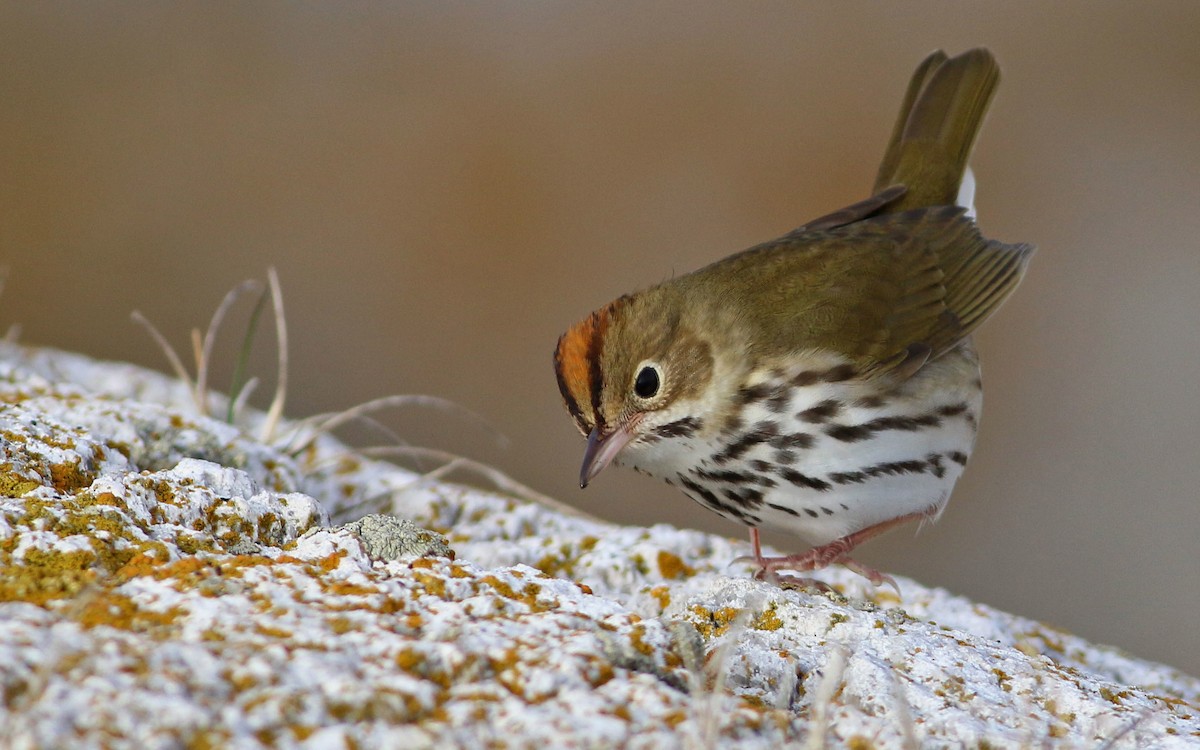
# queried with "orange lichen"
point(67, 478)
point(662, 594)
point(115, 610)
point(15, 485)
point(714, 622)
point(672, 566)
point(768, 619)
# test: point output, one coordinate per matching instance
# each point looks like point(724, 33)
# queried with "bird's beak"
point(601, 450)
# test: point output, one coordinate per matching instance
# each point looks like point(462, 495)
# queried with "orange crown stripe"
point(578, 359)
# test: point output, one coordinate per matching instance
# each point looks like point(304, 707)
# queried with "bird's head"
point(632, 374)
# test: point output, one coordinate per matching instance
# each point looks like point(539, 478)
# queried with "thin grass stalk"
point(276, 411)
point(203, 348)
point(172, 357)
point(498, 479)
point(238, 383)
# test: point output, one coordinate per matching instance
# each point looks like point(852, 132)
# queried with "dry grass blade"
point(308, 430)
point(172, 357)
point(822, 702)
point(708, 686)
point(276, 411)
point(14, 330)
point(1111, 742)
point(498, 479)
point(203, 348)
point(902, 710)
point(787, 687)
point(238, 381)
point(238, 404)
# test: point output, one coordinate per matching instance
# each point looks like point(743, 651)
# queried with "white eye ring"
point(648, 381)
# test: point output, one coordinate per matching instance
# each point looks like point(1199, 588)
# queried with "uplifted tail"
point(940, 117)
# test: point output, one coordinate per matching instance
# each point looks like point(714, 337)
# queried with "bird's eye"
point(647, 383)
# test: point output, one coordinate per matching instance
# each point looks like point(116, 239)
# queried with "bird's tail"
point(940, 117)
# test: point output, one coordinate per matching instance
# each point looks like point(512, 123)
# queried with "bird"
point(824, 383)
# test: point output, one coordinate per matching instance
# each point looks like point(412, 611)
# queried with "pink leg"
point(767, 573)
point(825, 555)
point(755, 545)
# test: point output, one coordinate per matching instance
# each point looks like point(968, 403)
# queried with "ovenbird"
point(823, 383)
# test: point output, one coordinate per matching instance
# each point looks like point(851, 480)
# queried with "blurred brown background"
point(444, 187)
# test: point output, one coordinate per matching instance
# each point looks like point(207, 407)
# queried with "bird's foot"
point(783, 580)
point(837, 551)
point(815, 559)
point(872, 575)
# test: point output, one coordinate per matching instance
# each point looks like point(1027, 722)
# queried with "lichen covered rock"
point(167, 581)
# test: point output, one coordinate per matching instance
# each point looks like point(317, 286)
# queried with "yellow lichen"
point(638, 642)
point(1003, 679)
point(672, 567)
point(52, 575)
point(714, 622)
point(67, 478)
point(15, 485)
point(272, 632)
point(768, 619)
point(663, 595)
point(431, 583)
point(115, 610)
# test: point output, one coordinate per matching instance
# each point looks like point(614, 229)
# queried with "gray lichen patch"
point(389, 538)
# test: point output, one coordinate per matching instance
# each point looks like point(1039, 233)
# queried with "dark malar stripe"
point(685, 427)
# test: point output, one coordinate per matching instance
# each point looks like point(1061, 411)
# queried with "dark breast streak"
point(733, 480)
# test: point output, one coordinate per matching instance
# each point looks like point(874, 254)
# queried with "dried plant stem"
point(320, 424)
point(14, 330)
point(172, 357)
point(203, 348)
point(499, 479)
point(238, 383)
point(822, 704)
point(236, 405)
point(276, 411)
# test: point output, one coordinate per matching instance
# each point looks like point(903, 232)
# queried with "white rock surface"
point(167, 581)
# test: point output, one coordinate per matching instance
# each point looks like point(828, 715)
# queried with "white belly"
point(821, 461)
